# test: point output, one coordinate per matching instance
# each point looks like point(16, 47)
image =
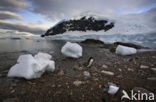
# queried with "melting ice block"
point(113, 89)
point(124, 50)
point(72, 50)
point(30, 67)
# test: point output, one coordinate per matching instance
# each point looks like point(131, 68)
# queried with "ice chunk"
point(30, 67)
point(124, 50)
point(113, 89)
point(24, 68)
point(72, 50)
point(42, 56)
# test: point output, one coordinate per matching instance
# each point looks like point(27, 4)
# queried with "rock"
point(95, 78)
point(1, 75)
point(113, 89)
point(104, 66)
point(12, 91)
point(107, 72)
point(60, 73)
point(92, 41)
point(78, 68)
point(78, 83)
point(120, 69)
point(131, 70)
point(73, 50)
point(153, 69)
point(144, 67)
point(11, 100)
point(153, 56)
point(124, 50)
point(86, 74)
point(152, 78)
point(53, 85)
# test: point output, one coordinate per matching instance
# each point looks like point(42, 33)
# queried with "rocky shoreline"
point(73, 81)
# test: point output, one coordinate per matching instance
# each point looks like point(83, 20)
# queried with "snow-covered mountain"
point(81, 23)
point(133, 28)
point(96, 23)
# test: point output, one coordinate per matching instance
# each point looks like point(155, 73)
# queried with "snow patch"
point(30, 67)
point(124, 50)
point(72, 50)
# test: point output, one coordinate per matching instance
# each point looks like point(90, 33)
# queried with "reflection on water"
point(10, 45)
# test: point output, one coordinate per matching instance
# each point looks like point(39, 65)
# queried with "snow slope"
point(134, 28)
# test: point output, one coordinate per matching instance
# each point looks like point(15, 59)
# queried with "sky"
point(34, 17)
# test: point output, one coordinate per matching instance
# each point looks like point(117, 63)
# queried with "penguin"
point(90, 62)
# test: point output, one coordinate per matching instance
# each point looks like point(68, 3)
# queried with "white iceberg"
point(113, 89)
point(124, 50)
point(72, 50)
point(30, 67)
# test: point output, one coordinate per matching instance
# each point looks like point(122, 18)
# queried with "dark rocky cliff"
point(83, 24)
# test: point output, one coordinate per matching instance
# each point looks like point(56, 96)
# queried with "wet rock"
point(1, 75)
point(78, 68)
point(92, 41)
point(120, 70)
point(153, 69)
point(104, 66)
point(12, 91)
point(60, 73)
point(152, 78)
point(95, 79)
point(78, 83)
point(53, 85)
point(107, 72)
point(144, 66)
point(86, 74)
point(131, 70)
point(11, 100)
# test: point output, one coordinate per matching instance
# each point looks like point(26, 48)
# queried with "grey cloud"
point(12, 5)
point(56, 9)
point(9, 15)
point(21, 27)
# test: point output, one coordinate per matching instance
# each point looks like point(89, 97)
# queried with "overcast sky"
point(36, 16)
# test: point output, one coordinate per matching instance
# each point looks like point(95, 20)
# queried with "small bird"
point(90, 61)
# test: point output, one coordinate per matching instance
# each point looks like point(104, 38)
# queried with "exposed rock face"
point(92, 41)
point(82, 24)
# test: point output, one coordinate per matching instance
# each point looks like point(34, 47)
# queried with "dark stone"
point(92, 41)
point(12, 100)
